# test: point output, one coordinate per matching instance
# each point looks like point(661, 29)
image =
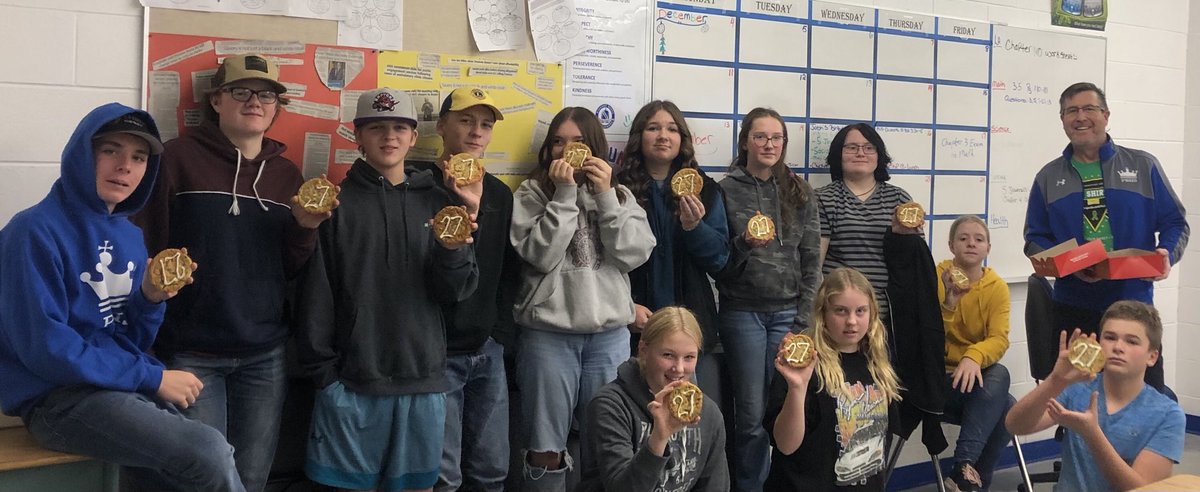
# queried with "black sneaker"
point(963, 478)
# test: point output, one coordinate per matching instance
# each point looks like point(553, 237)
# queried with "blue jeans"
point(161, 449)
point(475, 455)
point(242, 398)
point(751, 341)
point(980, 417)
point(559, 373)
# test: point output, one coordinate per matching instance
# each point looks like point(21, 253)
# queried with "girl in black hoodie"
point(632, 442)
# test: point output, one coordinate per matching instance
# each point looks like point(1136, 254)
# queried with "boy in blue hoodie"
point(74, 333)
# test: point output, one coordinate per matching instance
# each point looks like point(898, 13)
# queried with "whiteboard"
point(968, 109)
point(1030, 69)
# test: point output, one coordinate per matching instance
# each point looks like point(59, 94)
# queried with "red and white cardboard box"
point(1132, 263)
point(1068, 257)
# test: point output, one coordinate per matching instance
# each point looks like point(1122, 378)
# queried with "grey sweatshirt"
point(786, 272)
point(616, 436)
point(578, 249)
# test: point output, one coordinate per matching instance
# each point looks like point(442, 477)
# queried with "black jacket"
point(368, 300)
point(916, 333)
point(488, 312)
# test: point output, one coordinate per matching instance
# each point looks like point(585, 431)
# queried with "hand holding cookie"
point(691, 211)
point(599, 174)
point(956, 284)
point(666, 424)
point(796, 360)
point(166, 273)
point(1077, 358)
point(452, 226)
point(909, 218)
point(760, 230)
point(314, 202)
point(561, 173)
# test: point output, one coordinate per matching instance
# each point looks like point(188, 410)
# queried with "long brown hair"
point(593, 137)
point(633, 172)
point(831, 377)
point(791, 194)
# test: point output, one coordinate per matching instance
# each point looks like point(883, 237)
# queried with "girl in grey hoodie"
point(579, 234)
point(632, 442)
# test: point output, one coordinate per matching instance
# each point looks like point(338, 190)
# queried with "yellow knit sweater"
point(978, 327)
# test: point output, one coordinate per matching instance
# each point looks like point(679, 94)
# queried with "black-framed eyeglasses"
point(1090, 110)
point(854, 148)
point(242, 94)
point(761, 140)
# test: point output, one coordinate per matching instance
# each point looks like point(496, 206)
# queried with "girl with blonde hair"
point(629, 431)
point(852, 401)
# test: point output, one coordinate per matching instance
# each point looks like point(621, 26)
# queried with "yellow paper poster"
point(522, 90)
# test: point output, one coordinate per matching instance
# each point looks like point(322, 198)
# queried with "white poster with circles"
point(375, 24)
point(557, 30)
point(496, 24)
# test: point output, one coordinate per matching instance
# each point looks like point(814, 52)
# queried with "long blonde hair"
point(831, 378)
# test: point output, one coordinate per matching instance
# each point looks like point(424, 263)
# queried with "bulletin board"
point(968, 109)
point(317, 131)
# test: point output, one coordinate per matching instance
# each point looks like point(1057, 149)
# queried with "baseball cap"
point(243, 67)
point(385, 103)
point(465, 97)
point(132, 125)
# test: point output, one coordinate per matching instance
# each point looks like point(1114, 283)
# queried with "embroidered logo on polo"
point(1128, 175)
point(112, 289)
point(384, 102)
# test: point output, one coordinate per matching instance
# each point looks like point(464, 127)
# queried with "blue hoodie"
point(70, 285)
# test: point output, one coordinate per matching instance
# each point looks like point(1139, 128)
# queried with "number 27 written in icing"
point(315, 200)
point(452, 223)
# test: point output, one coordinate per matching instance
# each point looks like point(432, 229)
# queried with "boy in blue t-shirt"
point(1123, 433)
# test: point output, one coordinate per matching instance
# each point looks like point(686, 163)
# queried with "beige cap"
point(243, 67)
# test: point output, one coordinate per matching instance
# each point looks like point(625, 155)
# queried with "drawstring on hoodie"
point(778, 211)
point(387, 241)
point(254, 186)
point(234, 209)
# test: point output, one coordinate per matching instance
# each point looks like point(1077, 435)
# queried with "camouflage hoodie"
point(786, 272)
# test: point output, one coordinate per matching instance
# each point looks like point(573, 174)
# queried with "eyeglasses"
point(761, 140)
point(1090, 110)
point(867, 149)
point(242, 94)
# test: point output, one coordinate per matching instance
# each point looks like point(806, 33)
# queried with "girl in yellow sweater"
point(976, 320)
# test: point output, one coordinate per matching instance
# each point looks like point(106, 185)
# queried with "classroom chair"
point(1042, 342)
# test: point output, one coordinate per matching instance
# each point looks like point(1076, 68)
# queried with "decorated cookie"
point(576, 153)
point(1086, 355)
point(911, 215)
point(466, 169)
point(317, 195)
point(761, 227)
point(687, 181)
point(452, 226)
point(686, 402)
point(798, 349)
point(170, 269)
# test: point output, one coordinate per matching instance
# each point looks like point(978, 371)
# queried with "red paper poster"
point(323, 84)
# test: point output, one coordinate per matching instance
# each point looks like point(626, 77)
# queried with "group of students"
point(404, 335)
